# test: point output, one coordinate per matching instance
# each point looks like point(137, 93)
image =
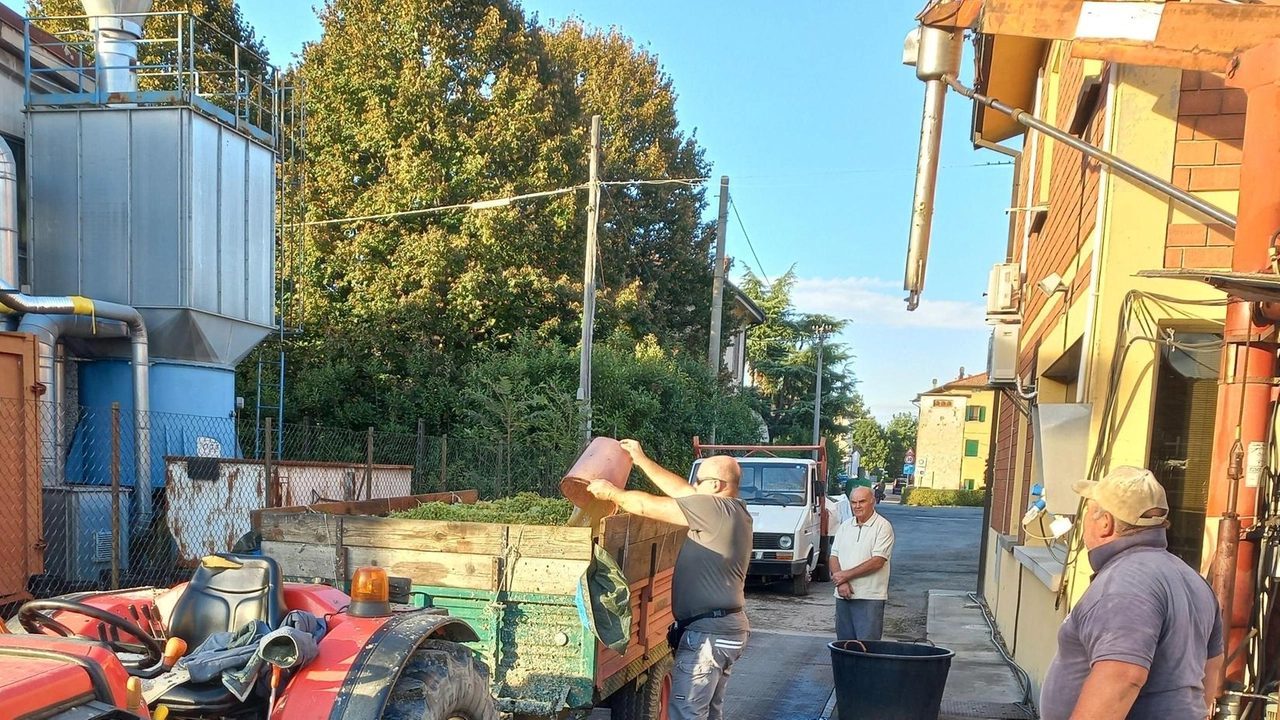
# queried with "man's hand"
point(845, 590)
point(602, 489)
point(633, 449)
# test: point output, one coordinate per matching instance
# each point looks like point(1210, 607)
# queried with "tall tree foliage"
point(416, 104)
point(783, 355)
point(901, 435)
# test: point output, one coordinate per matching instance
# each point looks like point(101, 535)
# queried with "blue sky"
point(808, 109)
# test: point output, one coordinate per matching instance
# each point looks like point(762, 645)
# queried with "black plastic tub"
point(884, 680)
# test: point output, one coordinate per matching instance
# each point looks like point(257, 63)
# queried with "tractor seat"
point(227, 592)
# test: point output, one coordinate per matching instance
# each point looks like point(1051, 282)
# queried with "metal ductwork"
point(8, 215)
point(116, 31)
point(49, 331)
point(936, 55)
point(40, 305)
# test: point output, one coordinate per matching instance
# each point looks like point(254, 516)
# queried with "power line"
point(477, 205)
point(743, 226)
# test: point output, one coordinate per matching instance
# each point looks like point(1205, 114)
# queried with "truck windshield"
point(774, 483)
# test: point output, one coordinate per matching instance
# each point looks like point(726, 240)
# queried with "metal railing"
point(181, 59)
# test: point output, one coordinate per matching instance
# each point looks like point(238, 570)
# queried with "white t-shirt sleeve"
point(884, 542)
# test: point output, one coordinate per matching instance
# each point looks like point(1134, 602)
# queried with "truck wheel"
point(649, 700)
point(800, 583)
point(443, 681)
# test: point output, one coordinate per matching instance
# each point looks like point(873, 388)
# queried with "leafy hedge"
point(935, 497)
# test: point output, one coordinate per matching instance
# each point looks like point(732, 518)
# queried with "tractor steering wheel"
point(34, 620)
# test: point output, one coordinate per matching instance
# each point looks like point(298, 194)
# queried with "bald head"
point(863, 502)
point(723, 468)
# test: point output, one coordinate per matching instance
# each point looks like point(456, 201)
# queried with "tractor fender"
point(359, 662)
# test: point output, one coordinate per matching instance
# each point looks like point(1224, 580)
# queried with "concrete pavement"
point(980, 683)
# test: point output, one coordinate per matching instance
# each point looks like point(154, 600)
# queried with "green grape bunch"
point(525, 508)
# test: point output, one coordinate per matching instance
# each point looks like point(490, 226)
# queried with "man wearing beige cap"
point(1145, 640)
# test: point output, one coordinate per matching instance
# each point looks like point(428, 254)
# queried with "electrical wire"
point(691, 182)
point(743, 226)
point(1028, 704)
point(474, 205)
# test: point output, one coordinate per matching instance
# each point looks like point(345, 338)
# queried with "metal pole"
point(444, 463)
point(1129, 170)
point(115, 496)
point(589, 280)
point(272, 490)
point(817, 393)
point(419, 452)
point(368, 467)
point(717, 287)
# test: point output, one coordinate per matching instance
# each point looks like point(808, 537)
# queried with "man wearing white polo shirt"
point(860, 569)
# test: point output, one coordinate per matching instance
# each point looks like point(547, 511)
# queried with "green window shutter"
point(971, 448)
point(982, 414)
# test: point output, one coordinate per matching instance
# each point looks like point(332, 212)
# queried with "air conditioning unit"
point(1002, 355)
point(1004, 290)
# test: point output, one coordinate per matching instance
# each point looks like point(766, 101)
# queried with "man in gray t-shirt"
point(711, 570)
point(1145, 641)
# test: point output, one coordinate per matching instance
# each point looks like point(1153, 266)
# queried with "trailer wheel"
point(443, 681)
point(649, 700)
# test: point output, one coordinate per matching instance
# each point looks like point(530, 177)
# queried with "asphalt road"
point(785, 673)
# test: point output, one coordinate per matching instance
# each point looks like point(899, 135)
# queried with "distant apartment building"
point(954, 434)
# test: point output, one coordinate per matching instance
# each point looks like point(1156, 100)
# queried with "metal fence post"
point(115, 496)
point(444, 462)
point(272, 490)
point(419, 451)
point(306, 437)
point(368, 468)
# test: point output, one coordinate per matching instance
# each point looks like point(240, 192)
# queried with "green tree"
point(901, 435)
point(874, 443)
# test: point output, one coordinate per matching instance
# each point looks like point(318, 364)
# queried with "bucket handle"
point(858, 643)
point(924, 640)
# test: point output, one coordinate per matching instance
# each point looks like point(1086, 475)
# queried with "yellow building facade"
point(953, 434)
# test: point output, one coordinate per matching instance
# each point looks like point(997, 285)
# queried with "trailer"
point(517, 586)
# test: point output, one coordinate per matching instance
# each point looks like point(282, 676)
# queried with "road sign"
point(909, 469)
point(910, 459)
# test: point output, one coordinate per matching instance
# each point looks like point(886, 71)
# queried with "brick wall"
point(1206, 158)
point(1003, 473)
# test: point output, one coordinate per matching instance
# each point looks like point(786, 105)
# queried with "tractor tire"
point(443, 681)
point(647, 701)
point(800, 583)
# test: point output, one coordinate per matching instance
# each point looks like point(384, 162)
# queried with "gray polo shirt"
point(1145, 607)
point(711, 569)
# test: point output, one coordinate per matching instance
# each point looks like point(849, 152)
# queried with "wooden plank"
point(547, 576)
point(546, 541)
point(951, 14)
point(392, 533)
point(1146, 55)
point(472, 572)
point(613, 534)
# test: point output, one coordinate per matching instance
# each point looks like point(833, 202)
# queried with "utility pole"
point(817, 393)
point(717, 288)
point(589, 279)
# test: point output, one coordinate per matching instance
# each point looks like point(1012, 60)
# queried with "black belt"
point(676, 631)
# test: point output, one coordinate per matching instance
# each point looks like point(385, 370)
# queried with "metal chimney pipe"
point(935, 54)
point(116, 31)
point(8, 215)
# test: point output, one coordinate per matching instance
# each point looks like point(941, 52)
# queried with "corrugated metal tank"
point(160, 208)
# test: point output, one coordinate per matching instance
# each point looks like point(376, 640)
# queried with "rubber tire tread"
point(643, 702)
point(800, 584)
point(443, 680)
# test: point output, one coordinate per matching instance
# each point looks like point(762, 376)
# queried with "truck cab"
point(788, 507)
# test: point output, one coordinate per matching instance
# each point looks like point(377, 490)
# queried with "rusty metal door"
point(21, 532)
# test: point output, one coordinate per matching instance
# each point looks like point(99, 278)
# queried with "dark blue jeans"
point(859, 619)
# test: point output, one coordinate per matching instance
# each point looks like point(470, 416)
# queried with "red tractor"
point(120, 655)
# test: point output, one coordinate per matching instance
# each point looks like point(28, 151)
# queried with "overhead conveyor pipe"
point(1116, 164)
point(26, 304)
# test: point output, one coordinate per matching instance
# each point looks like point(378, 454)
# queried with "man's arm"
point(1212, 681)
point(1109, 691)
point(842, 586)
point(640, 503)
point(668, 482)
point(866, 567)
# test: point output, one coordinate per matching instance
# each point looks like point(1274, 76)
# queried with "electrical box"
point(1004, 291)
point(1002, 355)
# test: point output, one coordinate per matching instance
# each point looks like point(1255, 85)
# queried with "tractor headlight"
point(785, 542)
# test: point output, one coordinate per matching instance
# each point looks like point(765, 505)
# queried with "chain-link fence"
point(74, 520)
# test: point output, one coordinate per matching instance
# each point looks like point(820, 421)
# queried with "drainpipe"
point(1248, 356)
point(75, 305)
point(1095, 264)
point(50, 372)
point(935, 54)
